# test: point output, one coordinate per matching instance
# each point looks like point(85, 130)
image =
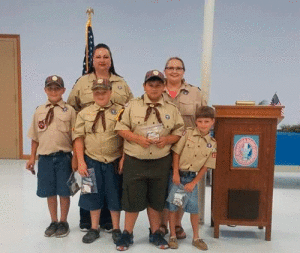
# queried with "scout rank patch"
point(209, 145)
point(41, 124)
point(113, 111)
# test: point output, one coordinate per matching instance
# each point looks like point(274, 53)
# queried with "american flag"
point(88, 51)
point(275, 101)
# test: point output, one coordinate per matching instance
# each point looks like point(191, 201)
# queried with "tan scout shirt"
point(188, 99)
point(58, 136)
point(133, 120)
point(81, 95)
point(196, 151)
point(101, 146)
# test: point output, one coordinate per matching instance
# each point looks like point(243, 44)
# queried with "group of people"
point(140, 149)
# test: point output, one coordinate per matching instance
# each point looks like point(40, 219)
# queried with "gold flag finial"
point(90, 11)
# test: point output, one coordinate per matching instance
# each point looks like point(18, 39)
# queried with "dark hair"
point(175, 58)
point(112, 67)
point(205, 112)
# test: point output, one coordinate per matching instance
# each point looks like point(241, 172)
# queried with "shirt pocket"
point(88, 123)
point(87, 95)
point(186, 106)
point(63, 122)
point(119, 94)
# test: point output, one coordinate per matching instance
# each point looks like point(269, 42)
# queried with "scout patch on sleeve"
point(214, 153)
point(41, 124)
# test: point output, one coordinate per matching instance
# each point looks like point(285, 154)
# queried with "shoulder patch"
point(169, 102)
point(199, 88)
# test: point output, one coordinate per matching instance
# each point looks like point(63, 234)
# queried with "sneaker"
point(108, 227)
point(62, 229)
point(125, 241)
point(85, 227)
point(158, 239)
point(200, 244)
point(173, 243)
point(91, 236)
point(50, 231)
point(116, 235)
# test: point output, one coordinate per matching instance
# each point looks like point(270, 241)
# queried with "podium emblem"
point(245, 151)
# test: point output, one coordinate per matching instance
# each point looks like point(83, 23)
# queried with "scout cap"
point(57, 80)
point(102, 84)
point(154, 74)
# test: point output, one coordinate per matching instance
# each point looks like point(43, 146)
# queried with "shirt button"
point(198, 146)
point(153, 112)
point(191, 165)
point(195, 155)
point(153, 122)
point(150, 153)
point(138, 122)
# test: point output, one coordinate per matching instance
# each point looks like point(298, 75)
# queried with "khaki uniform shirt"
point(133, 120)
point(103, 146)
point(58, 136)
point(81, 95)
point(196, 151)
point(188, 99)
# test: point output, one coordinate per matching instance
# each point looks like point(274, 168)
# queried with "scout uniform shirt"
point(196, 150)
point(81, 95)
point(188, 99)
point(58, 135)
point(103, 146)
point(133, 119)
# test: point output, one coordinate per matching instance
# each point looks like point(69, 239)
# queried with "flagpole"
point(89, 12)
point(209, 8)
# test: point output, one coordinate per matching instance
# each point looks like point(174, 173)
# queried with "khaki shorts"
point(145, 183)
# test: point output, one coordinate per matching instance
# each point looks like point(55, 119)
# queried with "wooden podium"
point(242, 186)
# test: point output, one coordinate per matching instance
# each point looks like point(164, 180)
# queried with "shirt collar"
point(92, 77)
point(206, 137)
point(61, 103)
point(148, 101)
point(98, 107)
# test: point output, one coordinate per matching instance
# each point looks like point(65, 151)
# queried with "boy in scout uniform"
point(51, 131)
point(192, 155)
point(149, 126)
point(98, 146)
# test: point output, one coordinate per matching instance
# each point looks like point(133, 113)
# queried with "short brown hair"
point(205, 112)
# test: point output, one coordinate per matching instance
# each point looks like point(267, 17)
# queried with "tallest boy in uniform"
point(149, 126)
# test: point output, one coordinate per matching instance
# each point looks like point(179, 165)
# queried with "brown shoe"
point(200, 244)
point(180, 234)
point(163, 228)
point(173, 244)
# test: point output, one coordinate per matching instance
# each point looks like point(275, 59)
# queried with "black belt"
point(186, 173)
point(58, 153)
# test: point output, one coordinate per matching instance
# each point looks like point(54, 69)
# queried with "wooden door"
point(10, 97)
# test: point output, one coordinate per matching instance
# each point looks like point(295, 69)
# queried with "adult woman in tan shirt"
point(81, 96)
point(187, 98)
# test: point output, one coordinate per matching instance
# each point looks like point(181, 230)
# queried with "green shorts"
point(145, 183)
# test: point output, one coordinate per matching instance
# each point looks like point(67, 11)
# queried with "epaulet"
point(213, 139)
point(136, 99)
point(168, 102)
point(189, 128)
point(193, 86)
point(38, 107)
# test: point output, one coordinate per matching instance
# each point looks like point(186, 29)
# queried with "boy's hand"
point(74, 163)
point(121, 162)
point(30, 165)
point(82, 169)
point(176, 178)
point(189, 187)
point(162, 142)
point(144, 142)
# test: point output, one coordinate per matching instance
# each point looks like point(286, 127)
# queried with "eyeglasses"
point(174, 68)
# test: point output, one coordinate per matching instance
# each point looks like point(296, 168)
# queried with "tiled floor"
point(24, 217)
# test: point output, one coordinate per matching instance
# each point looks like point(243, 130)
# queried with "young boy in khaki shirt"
point(51, 131)
point(98, 146)
point(192, 155)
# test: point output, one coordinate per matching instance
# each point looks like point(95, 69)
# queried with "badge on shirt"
point(41, 124)
point(120, 87)
point(208, 145)
point(65, 109)
point(185, 92)
point(167, 116)
point(113, 112)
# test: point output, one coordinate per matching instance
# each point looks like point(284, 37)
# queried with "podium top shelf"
point(249, 111)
